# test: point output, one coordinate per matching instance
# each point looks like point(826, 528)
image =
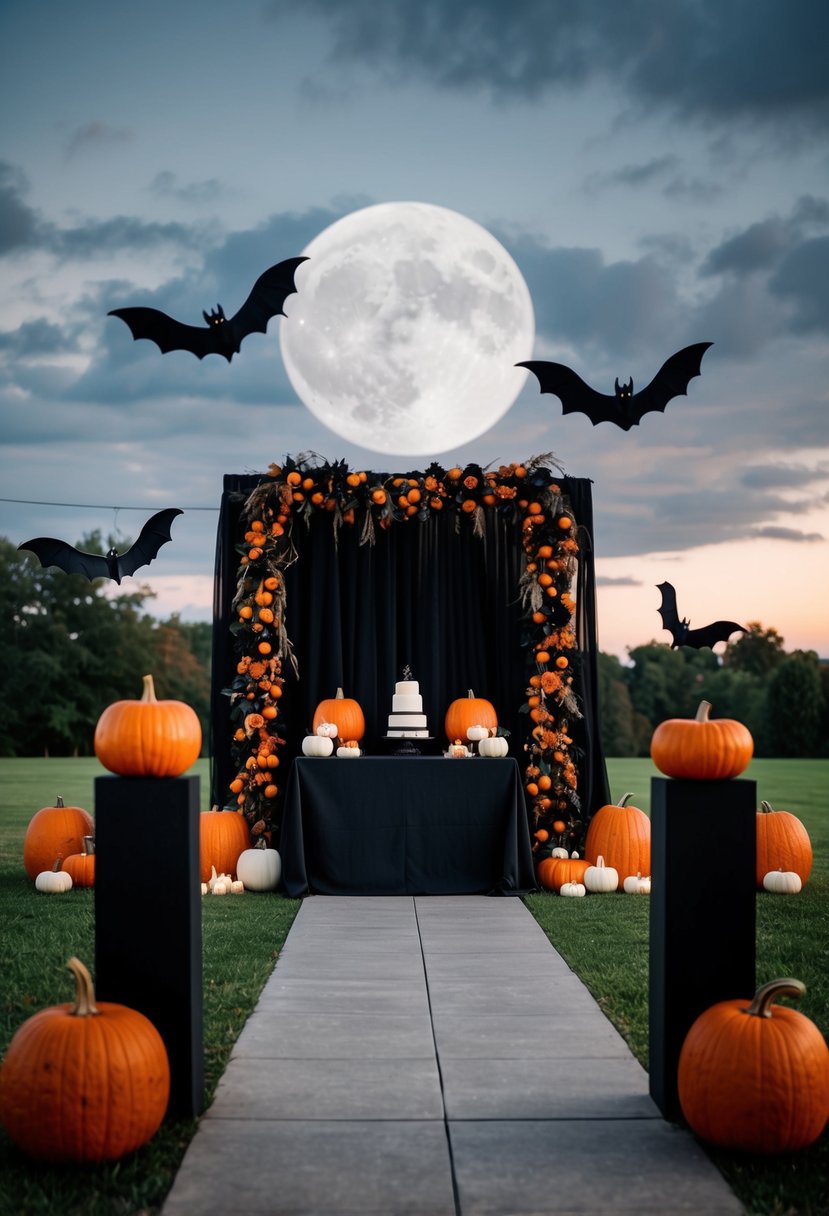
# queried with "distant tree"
point(667, 683)
point(759, 651)
point(795, 706)
point(624, 731)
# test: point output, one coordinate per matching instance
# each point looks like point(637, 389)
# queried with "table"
point(405, 826)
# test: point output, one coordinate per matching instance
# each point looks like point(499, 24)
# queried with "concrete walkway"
point(434, 1055)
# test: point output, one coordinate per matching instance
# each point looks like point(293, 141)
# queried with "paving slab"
point(587, 1166)
point(434, 1056)
point(328, 1089)
point(336, 1036)
point(294, 1168)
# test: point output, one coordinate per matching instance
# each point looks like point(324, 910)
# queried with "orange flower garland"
point(292, 492)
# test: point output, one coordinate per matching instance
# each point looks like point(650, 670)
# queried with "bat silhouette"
point(223, 335)
point(115, 565)
point(709, 635)
point(625, 407)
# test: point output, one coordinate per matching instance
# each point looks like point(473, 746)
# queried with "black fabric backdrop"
point(428, 594)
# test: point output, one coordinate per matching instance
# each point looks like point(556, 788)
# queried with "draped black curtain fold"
point(428, 594)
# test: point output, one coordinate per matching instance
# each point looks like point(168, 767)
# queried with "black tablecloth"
point(405, 826)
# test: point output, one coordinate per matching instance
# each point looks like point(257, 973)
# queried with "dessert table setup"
point(407, 823)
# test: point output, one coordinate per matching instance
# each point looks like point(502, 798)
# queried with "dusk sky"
point(657, 169)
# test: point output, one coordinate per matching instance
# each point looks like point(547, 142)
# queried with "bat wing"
point(51, 552)
point(709, 635)
point(169, 334)
point(266, 298)
point(576, 396)
point(154, 534)
point(670, 381)
point(669, 612)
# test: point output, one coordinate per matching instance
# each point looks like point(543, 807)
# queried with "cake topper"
point(407, 673)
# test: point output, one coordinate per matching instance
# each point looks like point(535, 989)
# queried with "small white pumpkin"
point(572, 889)
point(347, 753)
point(476, 733)
point(327, 730)
point(559, 852)
point(601, 877)
point(494, 745)
point(259, 868)
point(54, 881)
point(237, 887)
point(317, 745)
point(635, 884)
point(222, 885)
point(458, 750)
point(205, 890)
point(782, 882)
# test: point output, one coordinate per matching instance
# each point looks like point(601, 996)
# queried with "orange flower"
point(505, 491)
point(470, 482)
point(253, 722)
point(550, 682)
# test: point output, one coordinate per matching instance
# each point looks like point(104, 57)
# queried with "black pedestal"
point(148, 950)
point(702, 913)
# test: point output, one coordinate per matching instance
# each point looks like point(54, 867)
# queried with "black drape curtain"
point(430, 595)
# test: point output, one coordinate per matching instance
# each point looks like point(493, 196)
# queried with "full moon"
point(405, 329)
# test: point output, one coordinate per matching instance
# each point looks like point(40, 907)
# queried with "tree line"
point(69, 648)
point(783, 698)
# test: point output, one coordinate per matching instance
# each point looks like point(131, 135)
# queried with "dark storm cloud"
point(36, 338)
point(772, 532)
point(754, 59)
point(20, 225)
point(781, 476)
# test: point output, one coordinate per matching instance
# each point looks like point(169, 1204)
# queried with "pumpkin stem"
point(703, 711)
point(764, 996)
point(766, 808)
point(600, 862)
point(340, 695)
point(88, 845)
point(58, 862)
point(470, 694)
point(148, 696)
point(84, 992)
point(59, 800)
point(623, 801)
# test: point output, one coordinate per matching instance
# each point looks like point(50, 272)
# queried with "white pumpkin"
point(601, 877)
point(54, 881)
point(572, 889)
point(635, 884)
point(260, 869)
point(327, 730)
point(476, 733)
point(494, 745)
point(221, 886)
point(317, 745)
point(347, 753)
point(782, 882)
point(237, 887)
point(559, 852)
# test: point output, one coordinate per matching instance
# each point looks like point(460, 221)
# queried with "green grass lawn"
point(605, 940)
point(792, 939)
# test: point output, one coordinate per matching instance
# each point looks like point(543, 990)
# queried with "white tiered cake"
point(407, 719)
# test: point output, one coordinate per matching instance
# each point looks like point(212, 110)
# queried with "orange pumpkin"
point(54, 832)
point(148, 738)
point(755, 1076)
point(81, 866)
point(84, 1082)
point(782, 844)
point(345, 713)
point(621, 833)
point(699, 749)
point(468, 711)
point(223, 835)
point(553, 872)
